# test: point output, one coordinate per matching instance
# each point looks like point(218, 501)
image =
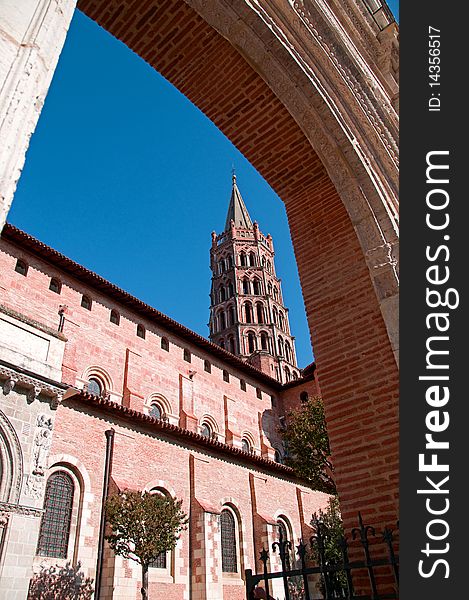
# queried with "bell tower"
point(247, 314)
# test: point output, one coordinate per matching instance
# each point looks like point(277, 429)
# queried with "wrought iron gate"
point(330, 580)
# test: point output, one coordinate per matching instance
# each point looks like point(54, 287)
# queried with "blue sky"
point(125, 176)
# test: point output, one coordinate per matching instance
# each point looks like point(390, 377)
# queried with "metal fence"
point(315, 575)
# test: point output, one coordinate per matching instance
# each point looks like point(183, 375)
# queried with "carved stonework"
point(42, 443)
point(33, 393)
point(35, 486)
point(9, 385)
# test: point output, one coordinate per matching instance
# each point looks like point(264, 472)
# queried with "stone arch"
point(11, 462)
point(332, 104)
point(101, 374)
point(162, 401)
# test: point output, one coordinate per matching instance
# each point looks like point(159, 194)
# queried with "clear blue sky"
point(125, 176)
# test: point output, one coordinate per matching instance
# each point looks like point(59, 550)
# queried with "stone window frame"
point(164, 344)
point(162, 574)
point(102, 376)
point(248, 438)
point(208, 421)
point(226, 376)
point(158, 399)
point(76, 516)
point(114, 317)
point(235, 577)
point(141, 331)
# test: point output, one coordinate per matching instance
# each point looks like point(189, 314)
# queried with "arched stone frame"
point(285, 519)
point(246, 342)
point(164, 404)
point(11, 462)
point(207, 419)
point(231, 504)
point(102, 375)
point(81, 508)
point(248, 311)
point(249, 437)
point(171, 573)
point(264, 335)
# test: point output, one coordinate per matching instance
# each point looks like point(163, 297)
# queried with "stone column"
point(32, 34)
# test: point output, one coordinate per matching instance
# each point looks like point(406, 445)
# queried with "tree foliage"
point(332, 529)
point(143, 525)
point(307, 444)
point(66, 583)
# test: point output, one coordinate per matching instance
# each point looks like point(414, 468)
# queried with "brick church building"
point(100, 391)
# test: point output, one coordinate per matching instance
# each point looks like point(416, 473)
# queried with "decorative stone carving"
point(42, 443)
point(33, 393)
point(35, 486)
point(9, 384)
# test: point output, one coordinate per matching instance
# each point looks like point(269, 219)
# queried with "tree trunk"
point(144, 588)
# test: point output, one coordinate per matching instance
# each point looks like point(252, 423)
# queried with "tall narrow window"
point(207, 366)
point(141, 331)
point(222, 321)
point(246, 286)
point(115, 317)
point(256, 285)
point(252, 259)
point(242, 384)
point(260, 313)
point(242, 259)
point(222, 294)
point(55, 525)
point(230, 289)
point(232, 313)
point(55, 285)
point(165, 344)
point(229, 563)
point(251, 342)
point(248, 312)
point(226, 376)
point(187, 355)
point(21, 267)
point(264, 341)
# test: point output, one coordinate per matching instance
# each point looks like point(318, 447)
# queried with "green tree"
point(143, 525)
point(332, 528)
point(307, 445)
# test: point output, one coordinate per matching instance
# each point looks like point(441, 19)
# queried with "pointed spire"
point(237, 210)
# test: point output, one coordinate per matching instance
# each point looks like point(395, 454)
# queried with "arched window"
point(221, 321)
point(275, 293)
point(264, 340)
point(281, 320)
point(275, 315)
point(221, 343)
point(260, 312)
point(163, 559)
point(115, 317)
point(284, 533)
point(165, 344)
point(246, 286)
point(156, 411)
point(55, 285)
point(141, 331)
point(231, 344)
point(230, 262)
point(207, 366)
point(251, 342)
point(229, 552)
point(55, 525)
point(226, 376)
point(295, 375)
point(95, 386)
point(21, 267)
point(86, 302)
point(231, 315)
point(280, 346)
point(278, 457)
point(287, 374)
point(263, 261)
point(269, 266)
point(222, 294)
point(256, 285)
point(230, 289)
point(269, 289)
point(242, 259)
point(288, 354)
point(246, 446)
point(206, 430)
point(248, 312)
point(252, 259)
